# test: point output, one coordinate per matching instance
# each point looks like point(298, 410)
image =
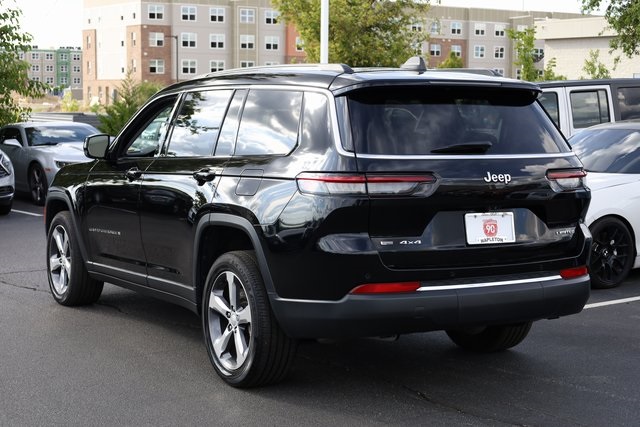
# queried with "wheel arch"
point(58, 201)
point(217, 234)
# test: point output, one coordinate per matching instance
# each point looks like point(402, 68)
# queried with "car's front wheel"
point(38, 184)
point(612, 253)
point(69, 281)
point(490, 338)
point(245, 343)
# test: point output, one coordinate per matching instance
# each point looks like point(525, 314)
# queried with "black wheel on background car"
point(69, 281)
point(612, 253)
point(38, 184)
point(5, 209)
point(245, 343)
point(490, 338)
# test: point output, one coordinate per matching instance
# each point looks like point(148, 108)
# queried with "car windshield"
point(52, 135)
point(450, 120)
point(608, 150)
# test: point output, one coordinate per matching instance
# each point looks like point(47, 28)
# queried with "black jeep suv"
point(316, 201)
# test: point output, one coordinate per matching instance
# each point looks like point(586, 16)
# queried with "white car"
point(7, 184)
point(610, 153)
point(39, 149)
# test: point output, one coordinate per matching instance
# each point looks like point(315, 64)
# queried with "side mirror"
point(12, 143)
point(95, 146)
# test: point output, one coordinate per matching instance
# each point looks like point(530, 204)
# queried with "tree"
point(361, 32)
point(130, 96)
point(452, 61)
point(623, 16)
point(594, 68)
point(14, 78)
point(69, 103)
point(524, 45)
point(549, 73)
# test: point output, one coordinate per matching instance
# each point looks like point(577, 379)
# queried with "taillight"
point(361, 184)
point(572, 273)
point(566, 180)
point(386, 288)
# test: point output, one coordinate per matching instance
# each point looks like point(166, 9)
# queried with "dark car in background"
point(39, 149)
point(317, 201)
point(7, 184)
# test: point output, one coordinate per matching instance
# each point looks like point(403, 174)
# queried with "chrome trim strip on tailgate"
point(489, 284)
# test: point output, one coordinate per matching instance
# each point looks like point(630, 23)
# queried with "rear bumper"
point(435, 308)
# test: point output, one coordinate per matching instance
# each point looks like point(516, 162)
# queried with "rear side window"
point(270, 122)
point(589, 108)
point(450, 120)
point(629, 102)
point(549, 101)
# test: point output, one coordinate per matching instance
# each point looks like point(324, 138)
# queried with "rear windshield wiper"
point(479, 147)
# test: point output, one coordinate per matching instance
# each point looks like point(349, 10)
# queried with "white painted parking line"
point(612, 302)
point(25, 212)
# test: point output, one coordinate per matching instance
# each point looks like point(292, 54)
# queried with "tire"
point(69, 281)
point(491, 338)
point(244, 341)
point(612, 253)
point(38, 184)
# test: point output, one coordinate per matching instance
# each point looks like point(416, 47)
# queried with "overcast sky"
point(55, 23)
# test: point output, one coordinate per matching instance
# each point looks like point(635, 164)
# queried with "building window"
point(457, 50)
point(156, 11)
point(88, 67)
point(156, 66)
point(133, 39)
point(215, 65)
point(189, 66)
point(299, 44)
point(216, 41)
point(75, 57)
point(499, 30)
point(35, 56)
point(48, 68)
point(35, 78)
point(75, 69)
point(480, 29)
point(77, 80)
point(64, 57)
point(271, 17)
point(456, 28)
point(499, 71)
point(416, 27)
point(216, 14)
point(247, 16)
point(35, 68)
point(247, 41)
point(271, 42)
point(48, 80)
point(498, 52)
point(521, 28)
point(478, 51)
point(538, 54)
point(156, 39)
point(269, 63)
point(245, 64)
point(88, 42)
point(435, 27)
point(188, 39)
point(188, 13)
point(48, 56)
point(63, 80)
point(519, 74)
point(134, 65)
point(435, 49)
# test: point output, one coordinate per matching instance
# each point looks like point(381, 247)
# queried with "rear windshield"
point(450, 120)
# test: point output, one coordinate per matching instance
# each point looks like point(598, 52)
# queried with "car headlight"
point(60, 164)
point(5, 164)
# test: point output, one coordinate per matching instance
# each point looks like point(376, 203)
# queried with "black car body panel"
point(276, 161)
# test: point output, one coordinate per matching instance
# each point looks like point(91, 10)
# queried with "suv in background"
point(319, 201)
point(577, 104)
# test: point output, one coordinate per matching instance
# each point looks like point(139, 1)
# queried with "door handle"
point(133, 173)
point(204, 175)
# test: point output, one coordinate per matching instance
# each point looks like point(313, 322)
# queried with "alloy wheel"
point(60, 260)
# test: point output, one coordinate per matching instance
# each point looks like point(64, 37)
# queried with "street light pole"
point(177, 68)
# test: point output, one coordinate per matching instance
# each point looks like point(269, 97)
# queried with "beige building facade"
point(570, 41)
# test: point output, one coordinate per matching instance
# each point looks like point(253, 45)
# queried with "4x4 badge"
point(500, 177)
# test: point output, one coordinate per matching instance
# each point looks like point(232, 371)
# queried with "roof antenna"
point(415, 63)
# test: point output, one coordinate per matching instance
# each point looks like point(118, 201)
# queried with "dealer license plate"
point(489, 228)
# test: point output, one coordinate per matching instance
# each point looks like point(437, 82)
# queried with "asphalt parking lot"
point(131, 360)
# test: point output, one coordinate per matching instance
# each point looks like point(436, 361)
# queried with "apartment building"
point(59, 68)
point(168, 41)
point(479, 36)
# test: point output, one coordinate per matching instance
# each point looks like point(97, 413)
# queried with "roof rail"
point(415, 63)
point(338, 68)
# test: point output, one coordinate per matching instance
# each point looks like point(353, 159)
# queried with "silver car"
point(7, 184)
point(39, 149)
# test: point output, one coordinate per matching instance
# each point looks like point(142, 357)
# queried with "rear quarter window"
point(427, 120)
